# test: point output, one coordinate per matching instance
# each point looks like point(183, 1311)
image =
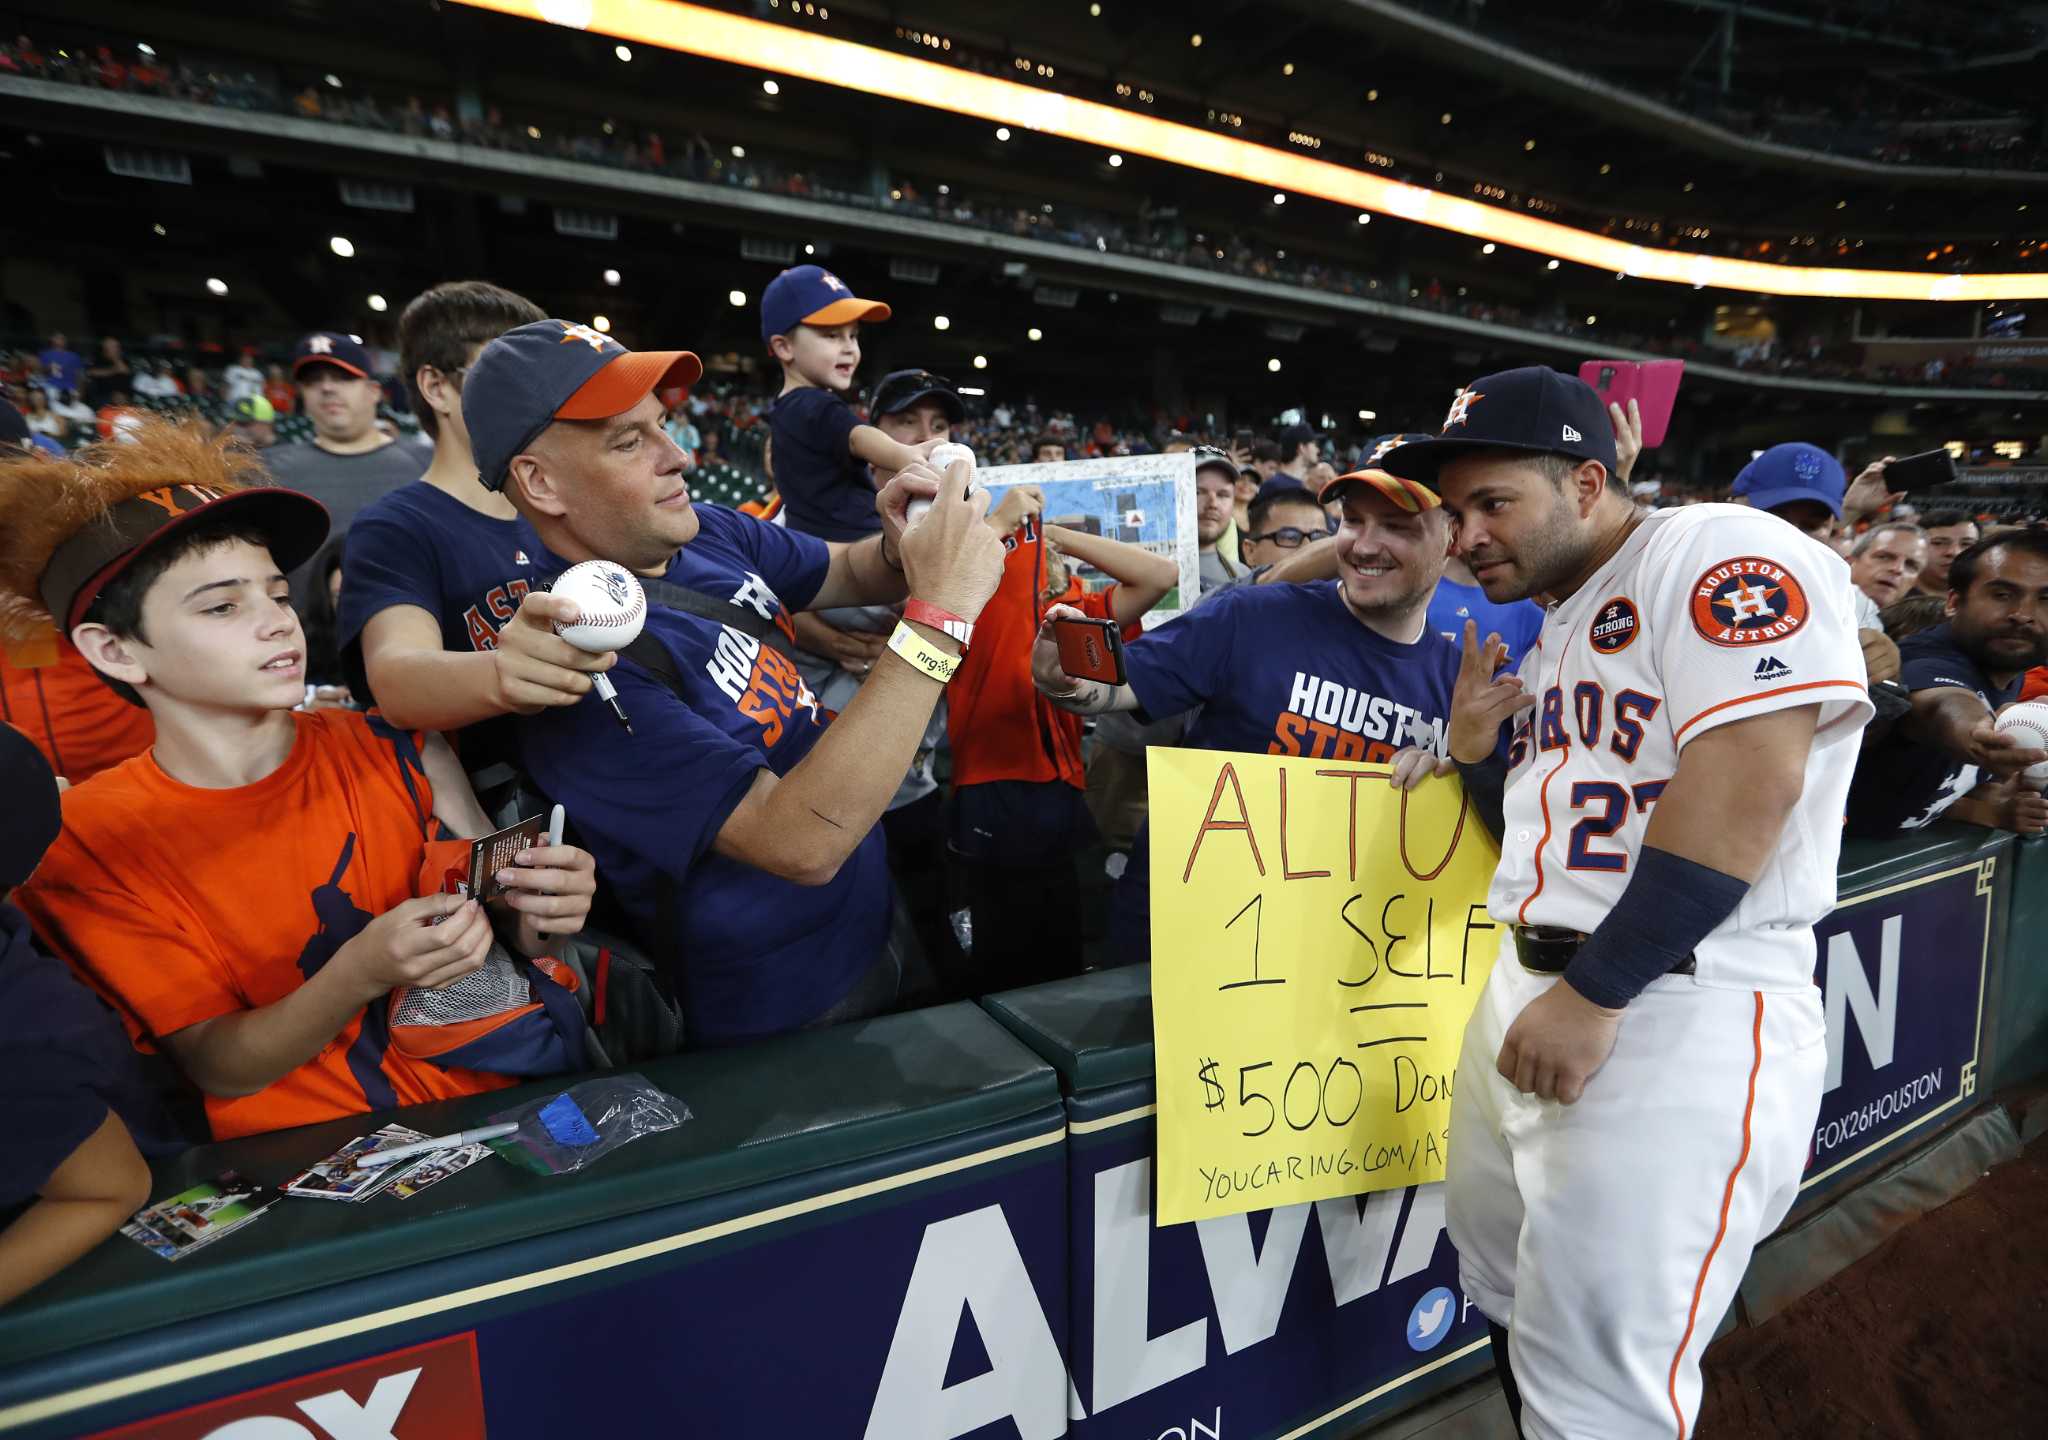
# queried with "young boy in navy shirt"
point(443, 622)
point(810, 322)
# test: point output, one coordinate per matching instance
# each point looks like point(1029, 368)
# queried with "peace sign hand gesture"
point(1484, 698)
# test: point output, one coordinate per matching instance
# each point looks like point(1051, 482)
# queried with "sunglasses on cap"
point(1211, 455)
point(906, 386)
point(1288, 537)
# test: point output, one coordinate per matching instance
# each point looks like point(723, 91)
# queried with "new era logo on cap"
point(1571, 434)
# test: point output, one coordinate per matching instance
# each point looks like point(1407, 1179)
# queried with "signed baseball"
point(2027, 723)
point(941, 459)
point(612, 605)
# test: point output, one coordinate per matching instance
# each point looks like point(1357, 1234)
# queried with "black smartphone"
point(1929, 470)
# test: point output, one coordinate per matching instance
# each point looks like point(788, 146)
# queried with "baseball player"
point(1640, 1078)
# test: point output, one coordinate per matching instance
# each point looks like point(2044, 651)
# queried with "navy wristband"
point(1670, 905)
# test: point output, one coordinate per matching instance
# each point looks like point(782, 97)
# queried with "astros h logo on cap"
point(1461, 407)
point(549, 370)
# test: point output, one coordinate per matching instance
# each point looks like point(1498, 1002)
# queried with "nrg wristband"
point(922, 656)
point(1670, 905)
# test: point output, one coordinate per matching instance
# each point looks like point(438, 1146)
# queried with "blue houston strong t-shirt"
point(1283, 670)
point(757, 954)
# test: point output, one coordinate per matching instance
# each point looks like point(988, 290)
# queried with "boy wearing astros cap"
point(740, 831)
point(246, 892)
point(810, 322)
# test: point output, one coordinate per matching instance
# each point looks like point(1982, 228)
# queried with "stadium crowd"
point(842, 770)
point(1161, 234)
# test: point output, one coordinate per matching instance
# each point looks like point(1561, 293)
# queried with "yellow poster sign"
point(1318, 941)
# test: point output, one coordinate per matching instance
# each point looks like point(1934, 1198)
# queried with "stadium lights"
point(1034, 333)
point(1368, 415)
point(1096, 11)
point(767, 45)
point(342, 246)
point(739, 152)
point(379, 304)
point(1363, 218)
point(1002, 132)
point(602, 324)
point(981, 362)
point(770, 87)
point(1196, 41)
point(159, 228)
point(941, 322)
point(1551, 266)
point(810, 249)
point(1487, 248)
point(333, 80)
point(217, 286)
point(1279, 197)
point(738, 298)
point(611, 277)
point(1115, 160)
point(1274, 365)
point(624, 52)
point(974, 390)
point(149, 50)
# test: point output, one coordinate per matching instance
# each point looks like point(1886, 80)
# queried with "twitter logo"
point(1431, 1319)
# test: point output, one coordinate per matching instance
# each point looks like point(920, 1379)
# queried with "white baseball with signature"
point(611, 604)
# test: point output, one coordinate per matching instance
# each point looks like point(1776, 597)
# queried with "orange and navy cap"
point(812, 295)
point(295, 525)
point(549, 370)
point(328, 347)
point(1533, 409)
point(1410, 495)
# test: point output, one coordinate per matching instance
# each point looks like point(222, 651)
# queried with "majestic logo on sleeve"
point(1614, 627)
point(1461, 407)
point(1748, 601)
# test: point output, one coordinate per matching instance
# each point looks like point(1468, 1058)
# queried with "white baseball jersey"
point(1706, 614)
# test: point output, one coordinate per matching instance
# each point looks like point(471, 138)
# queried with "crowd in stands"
point(1161, 235)
point(841, 772)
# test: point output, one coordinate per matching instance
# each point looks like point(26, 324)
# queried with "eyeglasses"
point(1287, 537)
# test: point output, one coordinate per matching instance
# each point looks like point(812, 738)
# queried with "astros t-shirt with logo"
point(1283, 670)
point(181, 904)
point(1903, 783)
point(757, 954)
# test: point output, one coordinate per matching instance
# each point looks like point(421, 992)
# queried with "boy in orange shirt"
point(247, 892)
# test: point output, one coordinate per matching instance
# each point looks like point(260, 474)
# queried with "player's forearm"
point(434, 689)
point(816, 816)
point(870, 444)
point(235, 1055)
point(1314, 561)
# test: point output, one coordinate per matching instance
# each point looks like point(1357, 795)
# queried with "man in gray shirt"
point(350, 462)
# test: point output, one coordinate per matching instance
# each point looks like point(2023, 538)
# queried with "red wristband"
point(923, 612)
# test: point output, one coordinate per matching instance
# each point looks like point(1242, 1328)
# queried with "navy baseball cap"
point(549, 370)
point(1283, 486)
point(812, 295)
point(1535, 408)
point(325, 347)
point(1408, 494)
point(1796, 471)
point(901, 389)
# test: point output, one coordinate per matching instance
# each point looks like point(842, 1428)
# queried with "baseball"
point(941, 459)
point(611, 602)
point(2027, 722)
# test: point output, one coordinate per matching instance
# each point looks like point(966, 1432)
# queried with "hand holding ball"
point(2027, 724)
point(611, 606)
point(611, 610)
point(941, 459)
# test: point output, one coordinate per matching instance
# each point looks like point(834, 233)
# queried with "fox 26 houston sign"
point(1904, 970)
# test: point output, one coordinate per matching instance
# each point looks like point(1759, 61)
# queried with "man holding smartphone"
point(1345, 669)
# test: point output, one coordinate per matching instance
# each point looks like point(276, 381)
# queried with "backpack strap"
point(696, 602)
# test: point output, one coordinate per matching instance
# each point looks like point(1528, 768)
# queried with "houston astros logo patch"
point(1747, 601)
point(1614, 626)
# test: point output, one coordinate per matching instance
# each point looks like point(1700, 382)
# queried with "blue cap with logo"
point(812, 295)
point(330, 347)
point(1792, 472)
point(549, 370)
point(1534, 408)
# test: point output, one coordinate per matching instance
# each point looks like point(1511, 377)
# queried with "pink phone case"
point(1652, 384)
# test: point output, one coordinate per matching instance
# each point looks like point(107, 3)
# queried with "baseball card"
point(195, 1218)
point(337, 1178)
point(434, 1167)
point(495, 852)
